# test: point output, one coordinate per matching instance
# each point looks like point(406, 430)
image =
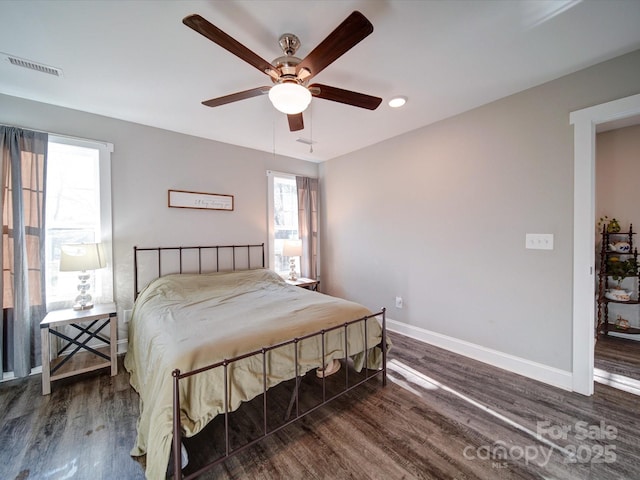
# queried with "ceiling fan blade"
point(344, 96)
point(213, 33)
point(296, 122)
point(346, 35)
point(234, 97)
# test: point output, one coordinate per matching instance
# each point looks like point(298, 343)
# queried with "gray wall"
point(146, 162)
point(439, 217)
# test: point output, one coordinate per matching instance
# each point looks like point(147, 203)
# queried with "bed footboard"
point(297, 414)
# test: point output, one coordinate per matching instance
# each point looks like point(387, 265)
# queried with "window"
point(283, 219)
point(78, 210)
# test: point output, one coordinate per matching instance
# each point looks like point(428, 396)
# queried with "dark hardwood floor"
point(619, 356)
point(441, 416)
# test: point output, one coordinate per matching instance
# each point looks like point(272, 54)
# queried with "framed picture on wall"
point(200, 200)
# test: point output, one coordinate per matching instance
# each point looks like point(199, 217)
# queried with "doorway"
point(585, 122)
point(617, 354)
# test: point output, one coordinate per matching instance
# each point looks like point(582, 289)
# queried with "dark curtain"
point(24, 156)
point(308, 225)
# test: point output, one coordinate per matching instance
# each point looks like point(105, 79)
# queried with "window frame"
point(271, 229)
point(105, 150)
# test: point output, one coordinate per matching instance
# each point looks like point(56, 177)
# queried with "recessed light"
point(397, 102)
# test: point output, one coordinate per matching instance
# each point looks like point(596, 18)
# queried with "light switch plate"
point(539, 241)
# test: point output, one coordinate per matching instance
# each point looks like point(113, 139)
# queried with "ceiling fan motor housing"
point(287, 63)
point(287, 67)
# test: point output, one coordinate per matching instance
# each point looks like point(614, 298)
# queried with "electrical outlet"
point(399, 302)
point(127, 315)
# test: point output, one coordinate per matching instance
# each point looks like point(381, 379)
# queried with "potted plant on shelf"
point(621, 269)
point(613, 225)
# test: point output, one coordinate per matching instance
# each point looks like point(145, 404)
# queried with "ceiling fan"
point(290, 93)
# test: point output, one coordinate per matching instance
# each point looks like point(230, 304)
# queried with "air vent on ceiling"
point(39, 67)
point(306, 141)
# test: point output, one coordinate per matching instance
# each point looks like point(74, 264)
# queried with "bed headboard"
point(150, 263)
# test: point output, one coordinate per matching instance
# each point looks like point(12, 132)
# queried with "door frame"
point(584, 123)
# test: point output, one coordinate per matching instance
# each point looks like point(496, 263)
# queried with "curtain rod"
point(108, 145)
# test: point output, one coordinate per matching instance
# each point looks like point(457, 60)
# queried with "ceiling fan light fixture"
point(290, 98)
point(397, 102)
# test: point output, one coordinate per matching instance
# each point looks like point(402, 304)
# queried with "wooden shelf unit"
point(603, 325)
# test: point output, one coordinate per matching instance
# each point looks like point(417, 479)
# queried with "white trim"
point(123, 346)
point(584, 123)
point(288, 174)
point(620, 382)
point(627, 336)
point(537, 371)
point(7, 376)
point(75, 140)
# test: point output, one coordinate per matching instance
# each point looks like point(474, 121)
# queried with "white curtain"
point(23, 154)
point(308, 225)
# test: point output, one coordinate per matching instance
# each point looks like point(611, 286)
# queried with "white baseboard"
point(123, 345)
point(537, 371)
point(629, 336)
point(621, 382)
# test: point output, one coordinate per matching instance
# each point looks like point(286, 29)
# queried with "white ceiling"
point(136, 61)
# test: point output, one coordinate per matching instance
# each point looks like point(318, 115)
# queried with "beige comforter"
point(189, 321)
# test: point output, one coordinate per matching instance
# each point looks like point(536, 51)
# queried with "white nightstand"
point(90, 324)
point(307, 283)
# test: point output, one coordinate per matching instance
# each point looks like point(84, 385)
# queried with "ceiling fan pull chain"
point(273, 123)
point(311, 128)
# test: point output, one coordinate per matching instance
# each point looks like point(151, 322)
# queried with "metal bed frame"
point(295, 398)
point(199, 249)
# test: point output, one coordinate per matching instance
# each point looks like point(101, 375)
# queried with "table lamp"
point(292, 249)
point(80, 258)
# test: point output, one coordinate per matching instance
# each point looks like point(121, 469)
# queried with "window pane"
point(285, 209)
point(72, 213)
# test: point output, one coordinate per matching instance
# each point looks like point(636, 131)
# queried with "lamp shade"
point(292, 248)
point(80, 257)
point(290, 98)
